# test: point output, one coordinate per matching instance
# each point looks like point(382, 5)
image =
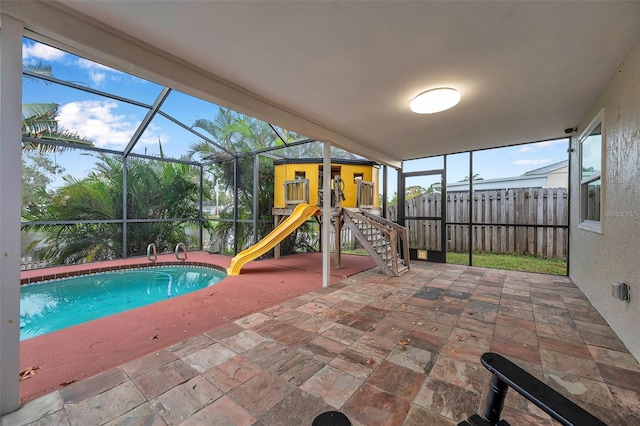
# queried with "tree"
point(475, 177)
point(434, 188)
point(39, 121)
point(155, 190)
point(409, 193)
point(242, 134)
point(394, 200)
point(38, 171)
point(414, 191)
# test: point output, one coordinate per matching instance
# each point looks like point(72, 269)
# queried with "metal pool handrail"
point(184, 250)
point(151, 249)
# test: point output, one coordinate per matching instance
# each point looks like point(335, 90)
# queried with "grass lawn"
point(512, 262)
point(358, 252)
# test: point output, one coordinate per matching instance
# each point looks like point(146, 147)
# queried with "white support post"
point(326, 216)
point(11, 32)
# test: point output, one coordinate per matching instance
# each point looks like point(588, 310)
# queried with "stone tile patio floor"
point(383, 350)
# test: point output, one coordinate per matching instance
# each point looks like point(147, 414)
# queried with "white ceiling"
point(526, 70)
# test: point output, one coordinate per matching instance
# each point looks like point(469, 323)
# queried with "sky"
point(493, 163)
point(111, 123)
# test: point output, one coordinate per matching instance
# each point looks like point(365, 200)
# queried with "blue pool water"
point(58, 304)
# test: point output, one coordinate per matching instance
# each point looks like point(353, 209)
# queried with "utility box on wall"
point(620, 291)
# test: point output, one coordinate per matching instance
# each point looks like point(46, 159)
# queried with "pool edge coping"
point(53, 275)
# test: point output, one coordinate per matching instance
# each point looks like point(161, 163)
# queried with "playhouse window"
point(357, 176)
point(591, 175)
point(300, 175)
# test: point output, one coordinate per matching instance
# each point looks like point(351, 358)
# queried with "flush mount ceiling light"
point(435, 100)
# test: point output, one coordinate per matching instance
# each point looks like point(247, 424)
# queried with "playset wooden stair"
point(381, 238)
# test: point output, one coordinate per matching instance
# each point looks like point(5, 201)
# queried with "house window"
point(357, 176)
point(591, 175)
point(300, 175)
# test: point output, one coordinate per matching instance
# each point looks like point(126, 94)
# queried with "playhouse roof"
point(320, 160)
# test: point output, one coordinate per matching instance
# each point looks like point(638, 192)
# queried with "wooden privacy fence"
point(531, 221)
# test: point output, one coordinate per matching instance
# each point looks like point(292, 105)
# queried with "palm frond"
point(68, 136)
point(39, 121)
point(38, 118)
point(39, 68)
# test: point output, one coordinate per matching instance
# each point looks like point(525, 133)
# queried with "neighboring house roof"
point(536, 178)
point(547, 169)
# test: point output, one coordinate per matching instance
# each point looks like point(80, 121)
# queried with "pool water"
point(58, 304)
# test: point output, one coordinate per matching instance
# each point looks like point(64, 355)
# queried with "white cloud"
point(548, 144)
point(90, 65)
point(42, 52)
point(98, 73)
point(151, 136)
point(538, 145)
point(533, 161)
point(97, 77)
point(98, 121)
point(525, 148)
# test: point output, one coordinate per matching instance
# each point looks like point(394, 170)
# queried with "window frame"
point(584, 223)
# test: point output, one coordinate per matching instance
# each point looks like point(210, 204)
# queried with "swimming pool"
point(57, 304)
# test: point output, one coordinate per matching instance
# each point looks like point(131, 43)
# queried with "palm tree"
point(239, 134)
point(475, 177)
point(39, 123)
point(39, 120)
point(155, 190)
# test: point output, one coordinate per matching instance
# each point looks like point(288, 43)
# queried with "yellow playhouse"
point(298, 196)
point(300, 181)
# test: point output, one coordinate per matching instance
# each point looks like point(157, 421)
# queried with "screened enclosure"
point(482, 208)
point(112, 163)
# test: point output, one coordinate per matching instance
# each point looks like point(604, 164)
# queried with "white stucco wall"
point(599, 259)
point(558, 178)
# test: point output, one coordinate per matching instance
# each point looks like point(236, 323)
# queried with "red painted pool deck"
point(82, 351)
